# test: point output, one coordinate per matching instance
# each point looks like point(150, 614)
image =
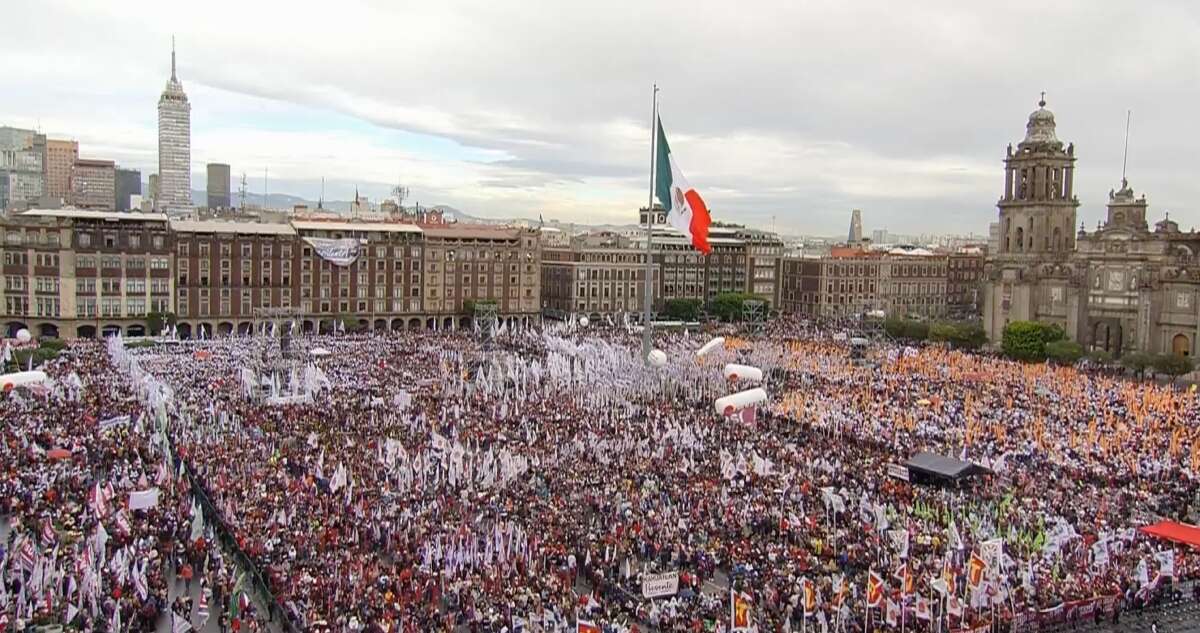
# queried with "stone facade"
point(79, 273)
point(1120, 288)
point(852, 285)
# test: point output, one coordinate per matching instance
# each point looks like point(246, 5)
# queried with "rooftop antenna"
point(173, 58)
point(242, 193)
point(321, 200)
point(401, 193)
point(1125, 158)
point(266, 170)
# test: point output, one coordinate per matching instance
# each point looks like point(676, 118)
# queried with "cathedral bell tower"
point(1037, 209)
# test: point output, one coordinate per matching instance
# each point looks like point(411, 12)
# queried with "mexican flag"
point(238, 600)
point(685, 208)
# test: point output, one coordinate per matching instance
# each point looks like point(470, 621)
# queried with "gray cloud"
point(799, 111)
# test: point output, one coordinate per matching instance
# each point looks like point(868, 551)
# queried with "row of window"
point(132, 241)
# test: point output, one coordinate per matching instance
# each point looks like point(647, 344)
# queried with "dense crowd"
point(99, 515)
point(422, 481)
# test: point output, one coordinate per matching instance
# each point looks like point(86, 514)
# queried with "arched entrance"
point(381, 325)
point(245, 328)
point(464, 323)
point(307, 326)
point(448, 323)
point(13, 327)
point(85, 331)
point(430, 323)
point(225, 328)
point(204, 330)
point(110, 330)
point(1107, 335)
point(1181, 346)
point(414, 323)
point(184, 330)
point(136, 330)
point(47, 330)
point(362, 326)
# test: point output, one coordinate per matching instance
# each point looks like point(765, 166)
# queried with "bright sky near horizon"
point(797, 111)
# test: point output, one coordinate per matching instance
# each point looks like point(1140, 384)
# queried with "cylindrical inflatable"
point(657, 357)
point(735, 372)
point(711, 345)
point(583, 321)
point(730, 404)
point(24, 336)
point(8, 381)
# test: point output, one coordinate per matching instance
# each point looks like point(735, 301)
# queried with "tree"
point(909, 329)
point(157, 321)
point(916, 330)
point(728, 306)
point(1064, 352)
point(682, 309)
point(1100, 357)
point(1138, 362)
point(958, 335)
point(1172, 364)
point(1026, 340)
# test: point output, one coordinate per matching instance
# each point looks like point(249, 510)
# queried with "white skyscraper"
point(174, 147)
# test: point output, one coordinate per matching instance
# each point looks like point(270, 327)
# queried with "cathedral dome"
point(1040, 128)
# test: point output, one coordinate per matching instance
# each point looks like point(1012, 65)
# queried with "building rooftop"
point(94, 162)
point(365, 227)
point(472, 231)
point(228, 226)
point(85, 214)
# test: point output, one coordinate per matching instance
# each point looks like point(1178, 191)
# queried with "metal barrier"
point(261, 583)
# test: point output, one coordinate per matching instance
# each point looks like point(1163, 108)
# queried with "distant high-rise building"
point(22, 167)
point(855, 227)
point(93, 184)
point(60, 160)
point(152, 187)
point(128, 184)
point(879, 236)
point(218, 186)
point(174, 147)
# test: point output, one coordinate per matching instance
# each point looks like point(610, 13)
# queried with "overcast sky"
point(786, 112)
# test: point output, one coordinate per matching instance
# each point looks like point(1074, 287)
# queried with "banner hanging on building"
point(342, 252)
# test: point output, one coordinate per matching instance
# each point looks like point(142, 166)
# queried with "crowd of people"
point(99, 518)
point(431, 482)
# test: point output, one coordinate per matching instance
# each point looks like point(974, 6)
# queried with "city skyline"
point(921, 149)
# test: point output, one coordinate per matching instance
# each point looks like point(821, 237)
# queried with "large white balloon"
point(583, 321)
point(657, 357)
point(24, 336)
point(743, 372)
point(711, 345)
point(732, 403)
point(8, 381)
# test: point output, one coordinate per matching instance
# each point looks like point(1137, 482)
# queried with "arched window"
point(1058, 239)
point(1020, 239)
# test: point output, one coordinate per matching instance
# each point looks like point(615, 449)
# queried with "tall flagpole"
point(649, 281)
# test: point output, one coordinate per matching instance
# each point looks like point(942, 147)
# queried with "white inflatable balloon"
point(728, 405)
point(735, 372)
point(583, 321)
point(711, 345)
point(24, 336)
point(657, 357)
point(8, 381)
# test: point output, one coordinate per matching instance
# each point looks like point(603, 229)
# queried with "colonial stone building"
point(1119, 288)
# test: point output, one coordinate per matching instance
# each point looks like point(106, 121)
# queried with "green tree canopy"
point(1026, 340)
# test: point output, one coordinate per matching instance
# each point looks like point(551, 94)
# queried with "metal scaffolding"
point(754, 315)
point(485, 319)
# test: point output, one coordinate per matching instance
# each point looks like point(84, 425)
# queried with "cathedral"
point(1120, 288)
